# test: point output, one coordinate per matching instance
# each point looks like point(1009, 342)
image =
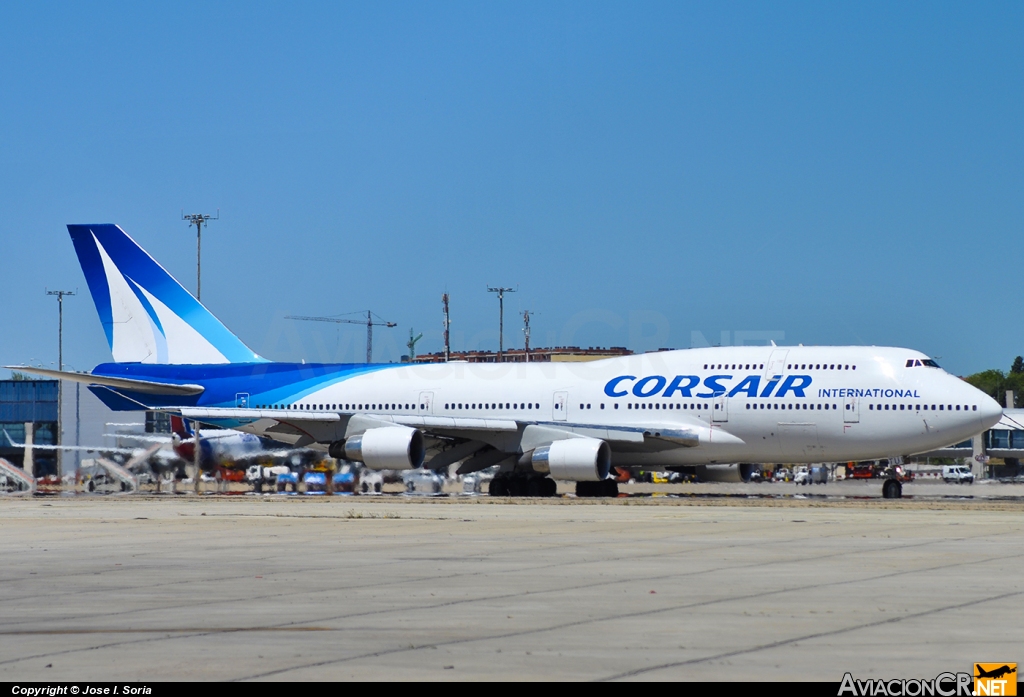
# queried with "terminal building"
point(28, 413)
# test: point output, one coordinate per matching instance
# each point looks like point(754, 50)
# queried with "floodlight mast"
point(60, 366)
point(501, 316)
point(199, 219)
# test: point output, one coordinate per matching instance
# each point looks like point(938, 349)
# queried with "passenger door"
point(851, 411)
point(426, 403)
point(776, 363)
point(720, 412)
point(560, 406)
point(242, 400)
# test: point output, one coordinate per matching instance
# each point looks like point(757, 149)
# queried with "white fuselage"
point(747, 404)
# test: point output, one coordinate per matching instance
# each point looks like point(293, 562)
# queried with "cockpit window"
point(917, 363)
point(930, 363)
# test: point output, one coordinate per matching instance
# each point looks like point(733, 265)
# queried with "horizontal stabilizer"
point(143, 386)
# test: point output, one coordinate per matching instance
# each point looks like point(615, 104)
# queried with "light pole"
point(199, 219)
point(501, 316)
point(60, 366)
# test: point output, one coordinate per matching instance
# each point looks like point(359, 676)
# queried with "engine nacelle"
point(387, 448)
point(724, 473)
point(574, 459)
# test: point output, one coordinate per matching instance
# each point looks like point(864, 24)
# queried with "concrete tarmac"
point(285, 588)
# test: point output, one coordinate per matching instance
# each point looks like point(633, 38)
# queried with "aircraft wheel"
point(892, 489)
point(535, 487)
point(548, 487)
point(518, 486)
point(498, 487)
point(609, 488)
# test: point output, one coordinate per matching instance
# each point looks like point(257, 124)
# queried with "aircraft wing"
point(319, 429)
point(70, 448)
point(143, 438)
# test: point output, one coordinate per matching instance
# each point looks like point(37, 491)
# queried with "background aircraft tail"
point(148, 316)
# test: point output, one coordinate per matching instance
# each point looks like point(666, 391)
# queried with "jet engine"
point(574, 459)
point(388, 448)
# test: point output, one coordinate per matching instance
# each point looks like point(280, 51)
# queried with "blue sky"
point(647, 174)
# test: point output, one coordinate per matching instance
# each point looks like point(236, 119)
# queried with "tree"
point(991, 382)
point(995, 383)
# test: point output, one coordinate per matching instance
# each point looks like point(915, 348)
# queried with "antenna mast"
point(447, 324)
point(526, 332)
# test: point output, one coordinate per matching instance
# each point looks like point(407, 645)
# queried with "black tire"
point(498, 487)
point(892, 489)
point(548, 487)
point(535, 487)
point(585, 488)
point(518, 486)
point(609, 488)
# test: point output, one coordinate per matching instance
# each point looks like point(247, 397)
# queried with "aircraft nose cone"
point(989, 412)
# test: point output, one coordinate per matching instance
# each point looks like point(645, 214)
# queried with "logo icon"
point(995, 679)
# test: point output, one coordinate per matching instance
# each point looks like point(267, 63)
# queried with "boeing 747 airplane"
point(711, 407)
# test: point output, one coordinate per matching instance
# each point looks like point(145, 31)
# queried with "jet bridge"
point(9, 474)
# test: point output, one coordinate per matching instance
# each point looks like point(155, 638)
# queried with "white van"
point(960, 474)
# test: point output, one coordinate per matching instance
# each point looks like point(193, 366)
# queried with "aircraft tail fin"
point(180, 427)
point(147, 316)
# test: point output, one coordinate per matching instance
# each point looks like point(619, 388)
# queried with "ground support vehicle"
point(957, 474)
point(423, 482)
point(315, 483)
point(264, 477)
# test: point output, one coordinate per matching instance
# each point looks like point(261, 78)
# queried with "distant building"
point(559, 354)
point(87, 422)
point(29, 402)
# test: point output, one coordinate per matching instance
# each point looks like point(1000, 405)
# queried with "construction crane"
point(412, 344)
point(369, 322)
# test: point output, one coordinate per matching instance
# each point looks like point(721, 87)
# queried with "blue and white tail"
point(148, 316)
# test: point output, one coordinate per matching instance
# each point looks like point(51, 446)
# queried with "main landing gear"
point(505, 484)
point(892, 489)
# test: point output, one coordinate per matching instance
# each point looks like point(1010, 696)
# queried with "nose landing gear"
point(892, 489)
